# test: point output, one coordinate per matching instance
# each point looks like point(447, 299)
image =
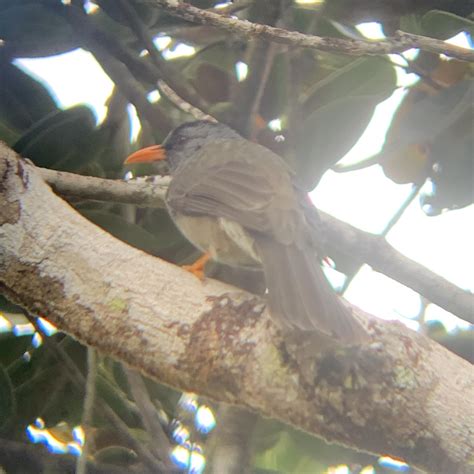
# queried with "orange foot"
point(197, 268)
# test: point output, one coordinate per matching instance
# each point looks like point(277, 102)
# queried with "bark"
point(399, 394)
point(396, 44)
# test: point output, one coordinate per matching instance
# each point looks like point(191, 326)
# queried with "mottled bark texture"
point(400, 394)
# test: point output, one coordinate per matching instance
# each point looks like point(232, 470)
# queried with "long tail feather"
point(301, 297)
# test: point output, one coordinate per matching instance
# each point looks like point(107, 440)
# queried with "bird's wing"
point(243, 182)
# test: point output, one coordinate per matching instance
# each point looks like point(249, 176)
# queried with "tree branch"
point(164, 69)
point(145, 192)
point(130, 88)
point(397, 44)
point(382, 257)
point(368, 248)
point(401, 394)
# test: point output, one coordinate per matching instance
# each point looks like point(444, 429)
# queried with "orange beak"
point(147, 155)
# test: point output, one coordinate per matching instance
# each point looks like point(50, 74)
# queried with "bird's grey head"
point(185, 141)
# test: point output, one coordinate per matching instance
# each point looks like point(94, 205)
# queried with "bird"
point(240, 204)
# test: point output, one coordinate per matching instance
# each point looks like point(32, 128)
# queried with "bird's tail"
point(301, 297)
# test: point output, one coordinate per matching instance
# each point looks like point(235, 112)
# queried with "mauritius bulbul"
point(240, 203)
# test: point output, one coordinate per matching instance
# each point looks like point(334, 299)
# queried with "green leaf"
point(219, 55)
point(443, 25)
point(452, 151)
point(23, 100)
point(428, 117)
point(329, 133)
point(275, 95)
point(361, 77)
point(7, 134)
point(32, 30)
point(148, 14)
point(110, 143)
point(61, 140)
point(411, 24)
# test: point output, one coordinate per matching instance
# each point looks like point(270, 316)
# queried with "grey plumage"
point(260, 220)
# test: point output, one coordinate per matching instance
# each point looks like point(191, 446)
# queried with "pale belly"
point(225, 240)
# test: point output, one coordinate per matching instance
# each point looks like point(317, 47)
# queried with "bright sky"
point(443, 243)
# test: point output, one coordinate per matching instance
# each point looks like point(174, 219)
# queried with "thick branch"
point(145, 192)
point(399, 43)
point(369, 248)
point(400, 394)
point(382, 257)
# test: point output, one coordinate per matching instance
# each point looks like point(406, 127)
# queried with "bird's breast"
point(225, 240)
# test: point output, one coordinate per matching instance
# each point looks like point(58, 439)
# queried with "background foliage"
point(324, 101)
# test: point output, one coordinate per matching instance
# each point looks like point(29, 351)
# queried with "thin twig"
point(165, 70)
point(182, 104)
point(397, 44)
point(401, 210)
point(87, 411)
point(388, 227)
point(248, 94)
point(265, 74)
point(159, 441)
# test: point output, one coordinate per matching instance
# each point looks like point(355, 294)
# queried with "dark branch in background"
point(88, 410)
point(131, 89)
point(264, 76)
point(244, 98)
point(159, 442)
point(412, 67)
point(369, 248)
point(141, 69)
point(397, 44)
point(382, 257)
point(118, 72)
point(259, 58)
point(165, 71)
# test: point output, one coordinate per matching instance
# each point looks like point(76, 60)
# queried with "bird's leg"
point(197, 268)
